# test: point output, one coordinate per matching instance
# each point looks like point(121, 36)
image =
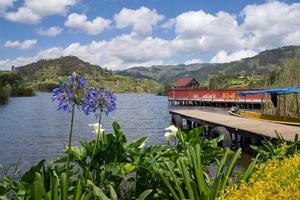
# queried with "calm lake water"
point(32, 129)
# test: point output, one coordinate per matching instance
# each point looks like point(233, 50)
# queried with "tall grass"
point(4, 95)
point(287, 76)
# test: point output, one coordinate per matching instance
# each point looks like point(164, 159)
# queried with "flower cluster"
point(276, 179)
point(70, 93)
point(89, 100)
point(99, 100)
point(171, 132)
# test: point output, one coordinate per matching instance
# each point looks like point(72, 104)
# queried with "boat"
point(274, 93)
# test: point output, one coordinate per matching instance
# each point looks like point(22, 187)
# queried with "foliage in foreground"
point(277, 150)
point(275, 179)
point(111, 168)
point(116, 170)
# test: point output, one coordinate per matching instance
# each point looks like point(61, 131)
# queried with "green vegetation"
point(235, 81)
point(45, 75)
point(254, 68)
point(287, 76)
point(12, 84)
point(122, 170)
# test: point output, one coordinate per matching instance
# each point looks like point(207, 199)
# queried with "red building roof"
point(183, 82)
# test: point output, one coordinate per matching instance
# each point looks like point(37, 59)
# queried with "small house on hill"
point(187, 82)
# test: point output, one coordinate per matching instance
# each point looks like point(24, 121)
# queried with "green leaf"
point(177, 183)
point(113, 194)
point(29, 176)
point(128, 168)
point(144, 195)
point(230, 168)
point(118, 132)
point(198, 168)
point(78, 190)
point(250, 169)
point(64, 186)
point(138, 142)
point(54, 185)
point(167, 183)
point(38, 187)
point(186, 177)
point(78, 152)
point(97, 191)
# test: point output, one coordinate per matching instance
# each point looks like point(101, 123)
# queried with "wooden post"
point(189, 124)
point(278, 105)
point(284, 106)
point(297, 104)
point(262, 103)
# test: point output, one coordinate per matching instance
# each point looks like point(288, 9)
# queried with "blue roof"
point(279, 91)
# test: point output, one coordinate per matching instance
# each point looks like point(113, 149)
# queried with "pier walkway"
point(246, 127)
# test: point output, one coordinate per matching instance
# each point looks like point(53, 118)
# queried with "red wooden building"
point(187, 82)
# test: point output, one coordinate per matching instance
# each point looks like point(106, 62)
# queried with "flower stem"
point(70, 142)
point(97, 140)
point(99, 124)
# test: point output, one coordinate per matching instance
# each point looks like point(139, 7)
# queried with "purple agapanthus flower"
point(99, 100)
point(70, 93)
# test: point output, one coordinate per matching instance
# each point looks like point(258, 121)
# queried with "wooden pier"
point(249, 131)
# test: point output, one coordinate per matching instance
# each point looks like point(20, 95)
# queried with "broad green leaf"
point(113, 194)
point(29, 176)
point(144, 195)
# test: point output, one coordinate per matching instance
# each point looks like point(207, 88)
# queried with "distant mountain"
point(258, 65)
point(46, 74)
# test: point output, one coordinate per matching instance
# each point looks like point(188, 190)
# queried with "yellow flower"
point(274, 180)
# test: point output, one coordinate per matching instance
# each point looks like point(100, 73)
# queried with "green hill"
point(46, 74)
point(256, 66)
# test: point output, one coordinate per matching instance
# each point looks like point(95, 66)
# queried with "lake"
point(32, 129)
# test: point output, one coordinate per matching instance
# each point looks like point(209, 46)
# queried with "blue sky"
point(124, 33)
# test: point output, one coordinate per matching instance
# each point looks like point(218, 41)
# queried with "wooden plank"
point(262, 128)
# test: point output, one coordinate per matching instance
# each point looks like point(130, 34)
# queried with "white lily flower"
point(168, 135)
point(142, 145)
point(173, 129)
point(96, 126)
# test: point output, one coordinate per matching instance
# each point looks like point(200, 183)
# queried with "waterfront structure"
point(187, 82)
point(213, 98)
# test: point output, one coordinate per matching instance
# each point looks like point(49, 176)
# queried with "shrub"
point(4, 95)
point(275, 179)
point(22, 92)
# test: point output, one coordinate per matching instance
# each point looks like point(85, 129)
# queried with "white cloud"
point(20, 61)
point(49, 7)
point(143, 20)
point(23, 15)
point(268, 25)
point(32, 11)
point(80, 22)
point(193, 61)
point(51, 31)
point(223, 56)
point(118, 53)
point(27, 44)
point(204, 32)
point(292, 38)
point(261, 26)
point(4, 4)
